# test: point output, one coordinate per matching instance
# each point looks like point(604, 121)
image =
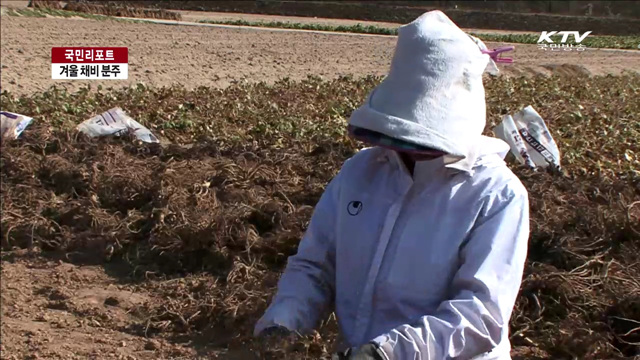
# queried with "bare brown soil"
point(162, 55)
point(17, 4)
point(57, 310)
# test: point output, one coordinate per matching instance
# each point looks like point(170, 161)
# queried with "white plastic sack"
point(508, 131)
point(528, 128)
point(13, 124)
point(115, 122)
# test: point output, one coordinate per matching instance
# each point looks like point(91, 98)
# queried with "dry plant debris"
point(207, 219)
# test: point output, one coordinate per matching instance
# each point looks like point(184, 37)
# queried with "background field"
point(505, 15)
point(200, 56)
point(116, 249)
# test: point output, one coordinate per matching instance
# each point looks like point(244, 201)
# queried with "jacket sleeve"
point(484, 289)
point(306, 288)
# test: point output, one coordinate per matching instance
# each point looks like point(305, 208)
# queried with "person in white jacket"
point(419, 242)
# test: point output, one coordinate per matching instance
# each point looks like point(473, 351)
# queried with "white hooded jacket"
point(427, 265)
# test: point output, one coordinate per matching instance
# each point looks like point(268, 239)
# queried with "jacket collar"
point(487, 150)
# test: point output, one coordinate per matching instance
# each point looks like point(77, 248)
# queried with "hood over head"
point(433, 96)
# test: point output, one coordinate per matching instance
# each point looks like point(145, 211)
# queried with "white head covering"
point(492, 68)
point(433, 95)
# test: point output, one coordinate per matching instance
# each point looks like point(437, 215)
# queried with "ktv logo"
point(546, 36)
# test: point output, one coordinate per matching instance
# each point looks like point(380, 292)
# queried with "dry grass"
point(208, 221)
point(45, 4)
point(124, 10)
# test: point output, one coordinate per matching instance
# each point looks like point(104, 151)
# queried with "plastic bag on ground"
point(528, 127)
point(508, 131)
point(116, 122)
point(13, 124)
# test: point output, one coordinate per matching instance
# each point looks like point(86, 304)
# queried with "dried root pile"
point(209, 220)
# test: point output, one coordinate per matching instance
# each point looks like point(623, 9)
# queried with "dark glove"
point(275, 331)
point(365, 352)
